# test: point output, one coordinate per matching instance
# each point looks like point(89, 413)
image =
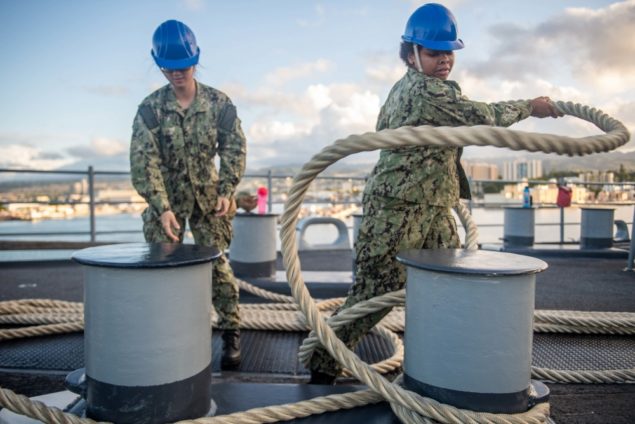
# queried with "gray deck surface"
point(591, 284)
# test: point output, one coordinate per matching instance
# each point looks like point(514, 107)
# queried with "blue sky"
point(301, 73)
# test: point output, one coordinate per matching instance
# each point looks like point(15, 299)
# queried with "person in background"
point(178, 131)
point(409, 195)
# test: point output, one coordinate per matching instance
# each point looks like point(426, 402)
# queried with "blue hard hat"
point(174, 46)
point(433, 26)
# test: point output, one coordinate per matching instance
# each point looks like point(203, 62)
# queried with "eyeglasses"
point(172, 71)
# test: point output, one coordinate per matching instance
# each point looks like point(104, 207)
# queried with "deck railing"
point(277, 195)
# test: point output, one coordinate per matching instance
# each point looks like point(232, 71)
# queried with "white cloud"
point(594, 47)
point(319, 96)
point(317, 116)
point(359, 113)
point(487, 90)
point(281, 76)
point(385, 73)
point(99, 147)
point(22, 156)
point(262, 132)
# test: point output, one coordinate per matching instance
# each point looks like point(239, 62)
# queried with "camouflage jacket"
point(429, 175)
point(172, 150)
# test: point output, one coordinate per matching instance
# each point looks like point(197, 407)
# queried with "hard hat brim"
point(176, 64)
point(436, 45)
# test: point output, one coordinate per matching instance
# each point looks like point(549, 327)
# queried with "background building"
point(521, 168)
point(480, 171)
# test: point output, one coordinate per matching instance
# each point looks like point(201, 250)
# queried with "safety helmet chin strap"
point(417, 59)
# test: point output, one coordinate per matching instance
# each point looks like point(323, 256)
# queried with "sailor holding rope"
point(409, 195)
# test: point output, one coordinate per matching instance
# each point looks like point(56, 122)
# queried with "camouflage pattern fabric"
point(410, 192)
point(429, 174)
point(172, 167)
point(388, 226)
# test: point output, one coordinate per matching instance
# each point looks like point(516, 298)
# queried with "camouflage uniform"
point(409, 195)
point(172, 165)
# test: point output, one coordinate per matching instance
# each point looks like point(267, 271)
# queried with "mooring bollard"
point(518, 227)
point(252, 252)
point(341, 242)
point(469, 328)
point(596, 228)
point(147, 331)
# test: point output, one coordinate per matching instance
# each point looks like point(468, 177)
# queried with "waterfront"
point(126, 227)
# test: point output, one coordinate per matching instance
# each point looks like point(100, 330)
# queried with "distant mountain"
point(112, 163)
point(553, 162)
point(550, 162)
point(599, 162)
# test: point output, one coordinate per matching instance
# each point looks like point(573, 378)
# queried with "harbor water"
point(126, 227)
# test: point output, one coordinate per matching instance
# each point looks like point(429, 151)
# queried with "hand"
point(169, 222)
point(246, 202)
point(222, 206)
point(541, 107)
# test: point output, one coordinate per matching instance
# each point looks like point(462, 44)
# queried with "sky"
point(301, 73)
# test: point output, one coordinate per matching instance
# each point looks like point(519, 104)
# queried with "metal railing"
point(92, 202)
point(91, 173)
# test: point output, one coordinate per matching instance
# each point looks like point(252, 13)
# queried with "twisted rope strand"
point(616, 135)
point(409, 406)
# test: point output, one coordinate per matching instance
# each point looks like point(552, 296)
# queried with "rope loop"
point(409, 406)
point(616, 135)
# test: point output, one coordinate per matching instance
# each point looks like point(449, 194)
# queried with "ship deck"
point(270, 369)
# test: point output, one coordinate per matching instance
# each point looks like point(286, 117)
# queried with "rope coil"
point(409, 406)
point(616, 135)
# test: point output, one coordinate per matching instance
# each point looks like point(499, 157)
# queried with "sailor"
point(178, 131)
point(409, 195)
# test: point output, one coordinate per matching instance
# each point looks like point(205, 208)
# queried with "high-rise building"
point(480, 171)
point(521, 168)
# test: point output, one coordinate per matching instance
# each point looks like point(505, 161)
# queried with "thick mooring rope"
point(409, 406)
point(616, 135)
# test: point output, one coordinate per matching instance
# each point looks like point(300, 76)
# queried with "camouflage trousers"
point(208, 230)
point(388, 226)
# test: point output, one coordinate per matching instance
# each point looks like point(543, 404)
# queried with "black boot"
point(231, 350)
point(318, 377)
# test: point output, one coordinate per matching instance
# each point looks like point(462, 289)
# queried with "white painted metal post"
point(147, 331)
point(252, 252)
point(469, 327)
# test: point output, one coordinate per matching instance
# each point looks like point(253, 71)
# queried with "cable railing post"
point(561, 182)
point(561, 225)
point(269, 187)
point(631, 251)
point(91, 197)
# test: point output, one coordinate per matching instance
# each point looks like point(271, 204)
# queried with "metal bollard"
point(518, 227)
point(252, 252)
point(147, 332)
point(469, 328)
point(342, 241)
point(596, 228)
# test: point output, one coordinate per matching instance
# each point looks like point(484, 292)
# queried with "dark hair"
point(405, 50)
